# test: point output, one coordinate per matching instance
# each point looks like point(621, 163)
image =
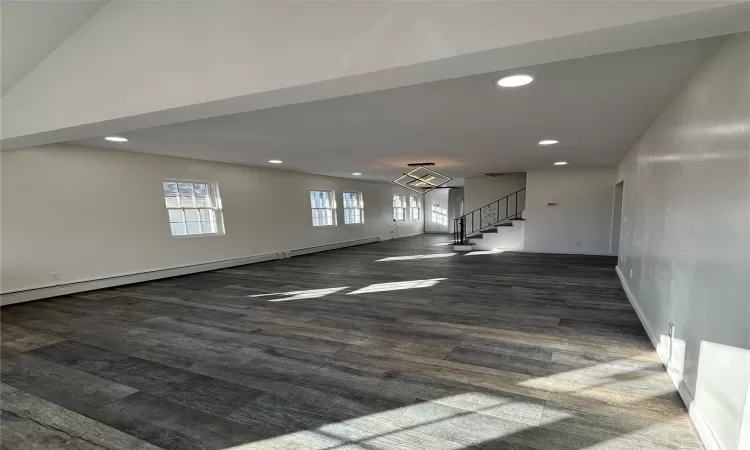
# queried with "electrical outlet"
point(578, 242)
point(630, 274)
point(55, 276)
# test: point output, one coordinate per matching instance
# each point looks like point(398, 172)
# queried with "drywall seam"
point(699, 421)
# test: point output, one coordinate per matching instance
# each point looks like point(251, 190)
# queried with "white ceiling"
point(32, 29)
point(597, 107)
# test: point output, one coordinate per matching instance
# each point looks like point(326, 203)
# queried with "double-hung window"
point(415, 208)
point(354, 211)
point(323, 205)
point(399, 207)
point(439, 215)
point(194, 207)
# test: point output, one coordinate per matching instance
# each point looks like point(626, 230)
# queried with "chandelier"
point(422, 179)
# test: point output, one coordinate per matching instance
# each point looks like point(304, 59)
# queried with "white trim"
point(524, 250)
point(92, 284)
point(404, 236)
point(631, 298)
point(699, 421)
point(54, 290)
point(326, 247)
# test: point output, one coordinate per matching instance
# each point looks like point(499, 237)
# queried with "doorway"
point(614, 241)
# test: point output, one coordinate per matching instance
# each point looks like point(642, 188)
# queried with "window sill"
point(191, 236)
point(324, 226)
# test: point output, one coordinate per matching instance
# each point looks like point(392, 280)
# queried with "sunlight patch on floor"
point(623, 375)
point(494, 251)
point(410, 257)
point(299, 295)
point(398, 285)
point(449, 423)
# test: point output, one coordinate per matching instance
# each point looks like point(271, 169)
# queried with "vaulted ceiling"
point(597, 107)
point(335, 87)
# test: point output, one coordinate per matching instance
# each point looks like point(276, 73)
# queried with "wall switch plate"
point(630, 274)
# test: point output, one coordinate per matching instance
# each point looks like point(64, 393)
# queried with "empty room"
point(286, 224)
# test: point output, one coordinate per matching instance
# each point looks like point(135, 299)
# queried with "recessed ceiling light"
point(548, 142)
point(275, 161)
point(356, 174)
point(514, 81)
point(561, 163)
point(116, 139)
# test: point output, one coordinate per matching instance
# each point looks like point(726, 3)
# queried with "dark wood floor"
point(345, 349)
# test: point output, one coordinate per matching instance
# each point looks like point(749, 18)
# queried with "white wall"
point(583, 213)
point(686, 238)
point(481, 190)
point(89, 213)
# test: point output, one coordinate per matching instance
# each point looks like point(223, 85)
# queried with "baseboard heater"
point(26, 295)
point(55, 290)
point(326, 247)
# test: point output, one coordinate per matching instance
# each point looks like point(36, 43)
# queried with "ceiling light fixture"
point(356, 174)
point(422, 176)
point(116, 139)
point(561, 163)
point(275, 161)
point(514, 81)
point(548, 142)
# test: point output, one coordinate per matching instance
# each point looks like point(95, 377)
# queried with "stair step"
point(476, 236)
point(490, 230)
point(507, 224)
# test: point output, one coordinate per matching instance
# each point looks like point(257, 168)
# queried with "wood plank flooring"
point(371, 347)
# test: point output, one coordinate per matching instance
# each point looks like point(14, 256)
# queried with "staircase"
point(498, 224)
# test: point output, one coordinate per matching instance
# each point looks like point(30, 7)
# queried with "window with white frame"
point(415, 208)
point(194, 207)
point(354, 211)
point(399, 207)
point(323, 204)
point(439, 215)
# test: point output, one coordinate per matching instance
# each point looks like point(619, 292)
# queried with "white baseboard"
point(326, 247)
point(565, 253)
point(646, 325)
point(699, 421)
point(402, 236)
point(9, 298)
point(55, 290)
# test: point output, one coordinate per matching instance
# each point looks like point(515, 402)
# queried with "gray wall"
point(580, 221)
point(481, 190)
point(685, 237)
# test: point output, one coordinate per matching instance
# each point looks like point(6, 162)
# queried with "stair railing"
point(487, 216)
